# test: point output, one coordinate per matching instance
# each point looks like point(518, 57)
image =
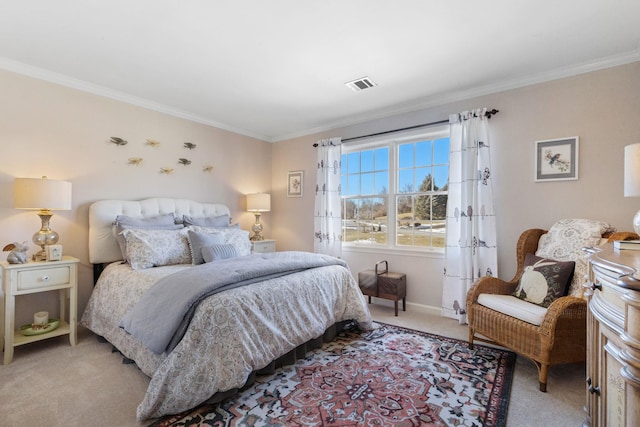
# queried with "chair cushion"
point(514, 307)
point(544, 280)
point(564, 242)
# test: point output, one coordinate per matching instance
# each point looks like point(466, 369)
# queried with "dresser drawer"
point(43, 278)
point(609, 290)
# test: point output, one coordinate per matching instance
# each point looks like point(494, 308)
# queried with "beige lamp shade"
point(41, 194)
point(632, 178)
point(632, 170)
point(258, 202)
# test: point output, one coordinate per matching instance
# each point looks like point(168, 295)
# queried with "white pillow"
point(232, 236)
point(164, 222)
point(564, 242)
point(154, 248)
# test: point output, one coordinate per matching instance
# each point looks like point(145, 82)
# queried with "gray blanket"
point(161, 316)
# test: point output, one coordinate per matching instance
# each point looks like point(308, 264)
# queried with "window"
point(394, 191)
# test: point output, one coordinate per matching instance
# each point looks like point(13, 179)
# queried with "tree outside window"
point(414, 213)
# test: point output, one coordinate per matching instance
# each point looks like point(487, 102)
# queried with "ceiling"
point(277, 69)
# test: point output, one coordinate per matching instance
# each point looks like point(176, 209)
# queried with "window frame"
point(393, 142)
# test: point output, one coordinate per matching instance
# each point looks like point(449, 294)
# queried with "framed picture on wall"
point(557, 159)
point(295, 183)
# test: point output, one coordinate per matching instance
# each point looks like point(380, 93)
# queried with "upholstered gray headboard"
point(103, 247)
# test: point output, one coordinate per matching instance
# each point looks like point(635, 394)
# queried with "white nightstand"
point(263, 246)
point(34, 277)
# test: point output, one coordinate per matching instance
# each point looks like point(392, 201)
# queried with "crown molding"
point(455, 96)
point(63, 80)
point(431, 101)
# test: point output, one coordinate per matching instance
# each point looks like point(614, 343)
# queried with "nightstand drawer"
point(264, 246)
point(43, 277)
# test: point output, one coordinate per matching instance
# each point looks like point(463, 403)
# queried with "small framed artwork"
point(295, 183)
point(557, 159)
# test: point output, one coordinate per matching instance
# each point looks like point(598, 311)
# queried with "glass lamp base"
point(44, 237)
point(257, 229)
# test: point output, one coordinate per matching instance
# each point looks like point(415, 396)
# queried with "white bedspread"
point(232, 334)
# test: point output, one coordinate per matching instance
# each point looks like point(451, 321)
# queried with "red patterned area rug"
point(390, 376)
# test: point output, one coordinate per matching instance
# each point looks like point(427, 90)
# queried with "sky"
point(366, 172)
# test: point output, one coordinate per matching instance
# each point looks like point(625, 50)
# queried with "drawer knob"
point(45, 278)
point(592, 389)
point(591, 287)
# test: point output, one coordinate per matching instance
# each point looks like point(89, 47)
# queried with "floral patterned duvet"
point(232, 333)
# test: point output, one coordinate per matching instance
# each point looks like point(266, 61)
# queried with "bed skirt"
point(289, 358)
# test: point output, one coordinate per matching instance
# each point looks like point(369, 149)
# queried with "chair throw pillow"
point(544, 280)
point(565, 240)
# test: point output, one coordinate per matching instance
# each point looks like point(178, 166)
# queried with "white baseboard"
point(420, 308)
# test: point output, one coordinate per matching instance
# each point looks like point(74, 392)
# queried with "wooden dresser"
point(613, 338)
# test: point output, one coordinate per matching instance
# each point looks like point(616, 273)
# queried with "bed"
point(235, 331)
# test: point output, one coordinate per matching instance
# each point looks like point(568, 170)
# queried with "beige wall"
point(46, 129)
point(602, 108)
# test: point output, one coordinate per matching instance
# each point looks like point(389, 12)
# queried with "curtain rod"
point(488, 115)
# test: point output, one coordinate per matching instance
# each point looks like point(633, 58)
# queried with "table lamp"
point(44, 195)
point(258, 203)
point(632, 177)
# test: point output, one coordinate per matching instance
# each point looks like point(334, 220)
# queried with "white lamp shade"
point(258, 202)
point(41, 193)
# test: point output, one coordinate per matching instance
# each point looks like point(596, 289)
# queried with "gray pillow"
point(217, 252)
point(207, 221)
point(199, 240)
point(164, 219)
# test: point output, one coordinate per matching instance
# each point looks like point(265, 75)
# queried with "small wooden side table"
point(393, 286)
point(386, 285)
point(35, 277)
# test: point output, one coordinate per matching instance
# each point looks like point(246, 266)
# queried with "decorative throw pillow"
point(155, 248)
point(198, 240)
point(564, 242)
point(232, 235)
point(208, 221)
point(544, 280)
point(217, 252)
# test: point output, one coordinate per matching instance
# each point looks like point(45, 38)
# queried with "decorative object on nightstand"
point(35, 277)
point(17, 252)
point(45, 195)
point(258, 203)
point(263, 246)
point(632, 177)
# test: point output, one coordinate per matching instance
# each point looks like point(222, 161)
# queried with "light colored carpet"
point(51, 383)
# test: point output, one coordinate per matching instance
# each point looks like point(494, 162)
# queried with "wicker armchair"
point(560, 339)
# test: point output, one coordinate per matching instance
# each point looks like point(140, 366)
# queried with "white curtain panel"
point(328, 210)
point(470, 250)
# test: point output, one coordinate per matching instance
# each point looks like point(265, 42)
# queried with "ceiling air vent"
point(360, 84)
